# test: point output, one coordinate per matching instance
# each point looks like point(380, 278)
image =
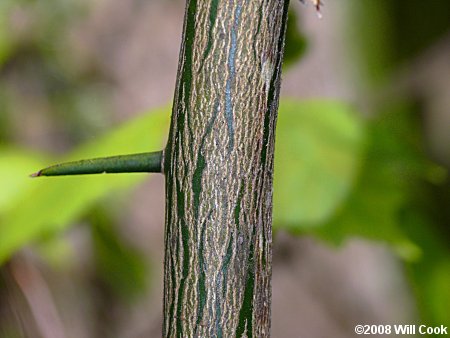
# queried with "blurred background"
point(362, 187)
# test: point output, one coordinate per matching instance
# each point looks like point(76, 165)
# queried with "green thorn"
point(133, 163)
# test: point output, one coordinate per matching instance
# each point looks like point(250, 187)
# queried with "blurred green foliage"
point(49, 205)
point(14, 170)
point(337, 175)
point(385, 34)
point(390, 165)
point(318, 154)
point(388, 35)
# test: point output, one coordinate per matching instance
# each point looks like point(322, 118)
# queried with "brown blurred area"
point(129, 49)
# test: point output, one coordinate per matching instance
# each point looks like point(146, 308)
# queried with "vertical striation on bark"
point(219, 167)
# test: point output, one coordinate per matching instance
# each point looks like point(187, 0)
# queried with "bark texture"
point(219, 167)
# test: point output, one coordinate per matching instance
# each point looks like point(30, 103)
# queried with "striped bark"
point(219, 167)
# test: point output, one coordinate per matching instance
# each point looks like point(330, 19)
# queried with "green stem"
point(144, 162)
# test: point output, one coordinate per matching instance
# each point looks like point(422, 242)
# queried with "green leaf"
point(392, 162)
point(337, 177)
point(318, 154)
point(371, 211)
point(15, 166)
point(54, 203)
